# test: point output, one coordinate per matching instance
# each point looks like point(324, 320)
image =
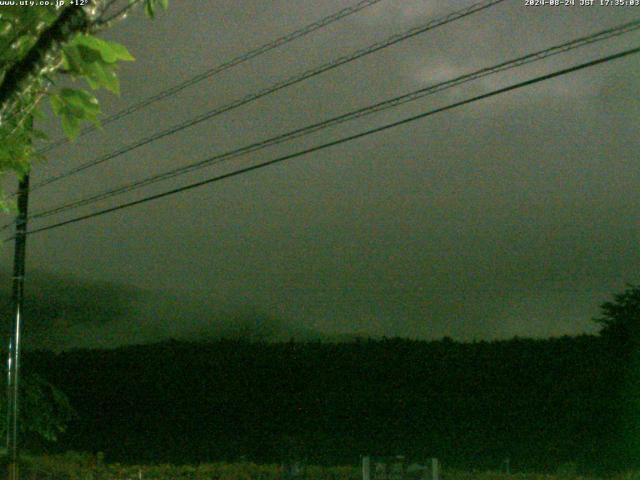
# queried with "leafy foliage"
point(45, 410)
point(95, 60)
point(620, 318)
point(80, 55)
point(36, 43)
point(151, 6)
point(82, 466)
point(73, 106)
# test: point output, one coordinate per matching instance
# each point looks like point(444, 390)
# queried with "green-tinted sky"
point(514, 216)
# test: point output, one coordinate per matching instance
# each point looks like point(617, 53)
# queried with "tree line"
point(539, 402)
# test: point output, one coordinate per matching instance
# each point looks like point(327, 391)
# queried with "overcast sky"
point(517, 215)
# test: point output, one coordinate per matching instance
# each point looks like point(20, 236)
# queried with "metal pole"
point(14, 341)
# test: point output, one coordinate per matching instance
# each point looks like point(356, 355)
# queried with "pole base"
point(12, 471)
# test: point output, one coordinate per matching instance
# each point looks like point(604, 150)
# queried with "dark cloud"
point(65, 312)
point(55, 305)
point(514, 216)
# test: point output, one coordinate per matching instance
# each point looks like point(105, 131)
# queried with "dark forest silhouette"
point(539, 402)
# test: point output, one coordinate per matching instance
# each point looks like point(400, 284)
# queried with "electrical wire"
point(278, 42)
point(477, 7)
point(359, 113)
point(323, 146)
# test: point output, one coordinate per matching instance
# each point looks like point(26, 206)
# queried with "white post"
point(366, 468)
point(435, 469)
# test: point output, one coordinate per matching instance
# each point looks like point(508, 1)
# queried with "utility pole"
point(13, 360)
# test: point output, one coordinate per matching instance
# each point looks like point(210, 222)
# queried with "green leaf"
point(56, 104)
point(150, 6)
point(89, 55)
point(103, 75)
point(72, 60)
point(82, 100)
point(8, 205)
point(95, 60)
point(111, 52)
point(70, 125)
point(37, 113)
point(73, 106)
point(15, 151)
point(39, 134)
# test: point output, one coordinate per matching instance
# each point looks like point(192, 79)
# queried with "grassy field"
point(77, 466)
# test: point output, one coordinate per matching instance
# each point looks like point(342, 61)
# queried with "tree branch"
point(39, 58)
point(119, 15)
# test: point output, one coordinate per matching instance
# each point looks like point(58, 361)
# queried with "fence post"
point(435, 469)
point(366, 468)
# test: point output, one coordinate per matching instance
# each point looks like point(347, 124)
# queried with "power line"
point(337, 142)
point(375, 108)
point(477, 7)
point(306, 30)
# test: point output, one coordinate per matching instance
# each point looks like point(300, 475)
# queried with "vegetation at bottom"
point(83, 466)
